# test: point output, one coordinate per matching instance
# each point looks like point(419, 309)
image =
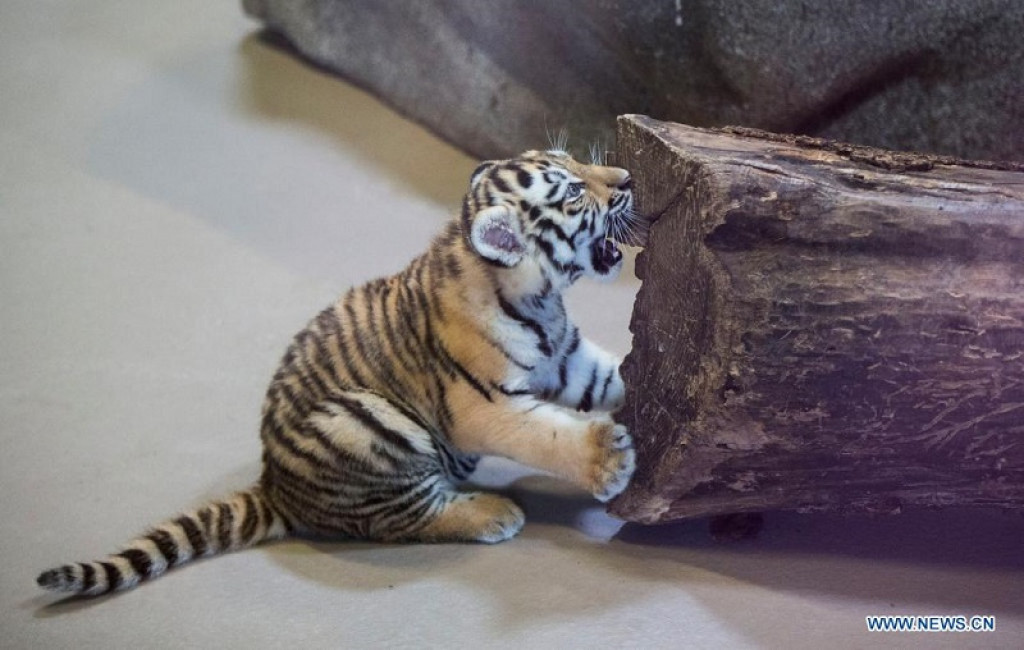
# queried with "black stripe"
point(249, 520)
point(495, 262)
point(549, 249)
point(266, 514)
point(391, 337)
point(341, 457)
point(275, 431)
point(374, 316)
point(410, 414)
point(140, 561)
point(500, 183)
point(312, 510)
point(575, 344)
point(321, 346)
point(299, 371)
point(343, 346)
point(88, 577)
point(346, 356)
point(396, 502)
point(410, 516)
point(445, 418)
point(385, 454)
point(404, 306)
point(563, 367)
point(206, 519)
point(431, 340)
point(480, 169)
point(584, 225)
point(114, 579)
point(516, 362)
point(322, 486)
point(286, 521)
point(587, 402)
point(543, 344)
point(545, 290)
point(504, 390)
point(563, 377)
point(453, 266)
point(607, 382)
point(395, 489)
point(338, 457)
point(370, 421)
point(273, 515)
point(465, 374)
point(547, 225)
point(281, 390)
point(165, 543)
point(466, 217)
point(381, 369)
point(524, 177)
point(447, 457)
point(449, 236)
point(431, 298)
point(435, 263)
point(308, 363)
point(227, 517)
point(313, 388)
point(194, 535)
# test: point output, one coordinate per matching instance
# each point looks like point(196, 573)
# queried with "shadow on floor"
point(962, 560)
point(959, 561)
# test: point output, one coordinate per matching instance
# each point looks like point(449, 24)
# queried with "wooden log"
point(821, 326)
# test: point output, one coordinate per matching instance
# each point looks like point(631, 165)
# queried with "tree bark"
point(821, 326)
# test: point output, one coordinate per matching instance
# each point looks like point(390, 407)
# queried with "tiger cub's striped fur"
point(384, 402)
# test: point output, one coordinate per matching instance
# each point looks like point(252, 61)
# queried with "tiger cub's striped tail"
point(240, 521)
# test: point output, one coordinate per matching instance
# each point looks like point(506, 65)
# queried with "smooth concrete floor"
point(177, 198)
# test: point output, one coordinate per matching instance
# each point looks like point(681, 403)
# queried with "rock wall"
point(494, 77)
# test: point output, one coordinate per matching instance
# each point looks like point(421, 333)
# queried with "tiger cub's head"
point(546, 211)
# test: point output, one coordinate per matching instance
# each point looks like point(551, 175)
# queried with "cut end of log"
point(821, 326)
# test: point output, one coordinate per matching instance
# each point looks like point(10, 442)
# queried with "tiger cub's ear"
point(495, 235)
point(480, 171)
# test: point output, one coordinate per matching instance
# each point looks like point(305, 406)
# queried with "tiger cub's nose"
point(618, 178)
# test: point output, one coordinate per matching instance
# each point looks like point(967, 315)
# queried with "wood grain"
point(821, 326)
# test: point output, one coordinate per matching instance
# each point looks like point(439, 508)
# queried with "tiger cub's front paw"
point(613, 460)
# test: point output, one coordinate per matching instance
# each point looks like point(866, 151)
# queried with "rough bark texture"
point(941, 76)
point(821, 326)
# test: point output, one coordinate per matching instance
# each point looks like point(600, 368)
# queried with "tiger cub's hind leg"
point(391, 481)
point(473, 517)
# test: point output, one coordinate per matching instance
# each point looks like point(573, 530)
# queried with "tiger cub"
point(386, 400)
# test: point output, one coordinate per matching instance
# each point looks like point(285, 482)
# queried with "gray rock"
point(495, 77)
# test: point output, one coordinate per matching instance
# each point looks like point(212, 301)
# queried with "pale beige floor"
point(176, 199)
